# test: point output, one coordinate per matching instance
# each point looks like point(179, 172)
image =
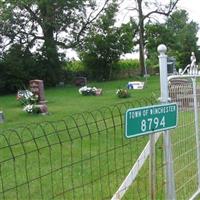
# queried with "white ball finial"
point(162, 49)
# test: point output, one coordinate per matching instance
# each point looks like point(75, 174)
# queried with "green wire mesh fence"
point(86, 156)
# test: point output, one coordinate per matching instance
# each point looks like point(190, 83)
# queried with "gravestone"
point(80, 81)
point(171, 65)
point(37, 88)
point(1, 117)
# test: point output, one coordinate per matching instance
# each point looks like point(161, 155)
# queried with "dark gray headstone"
point(2, 118)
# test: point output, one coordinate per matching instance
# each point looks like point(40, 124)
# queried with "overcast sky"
point(191, 6)
point(193, 9)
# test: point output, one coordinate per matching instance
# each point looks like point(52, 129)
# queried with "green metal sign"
point(151, 119)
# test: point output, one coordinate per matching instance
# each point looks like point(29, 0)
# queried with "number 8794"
point(152, 124)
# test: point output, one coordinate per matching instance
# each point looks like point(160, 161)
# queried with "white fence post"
point(196, 127)
point(152, 167)
point(170, 183)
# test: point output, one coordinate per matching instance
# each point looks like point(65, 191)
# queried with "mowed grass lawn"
point(36, 163)
point(66, 100)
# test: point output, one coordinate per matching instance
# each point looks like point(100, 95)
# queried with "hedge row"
point(78, 66)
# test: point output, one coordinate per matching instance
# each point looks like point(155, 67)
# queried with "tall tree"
point(105, 44)
point(178, 33)
point(147, 10)
point(46, 25)
point(184, 33)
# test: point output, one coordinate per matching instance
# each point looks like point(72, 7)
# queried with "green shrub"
point(18, 66)
point(122, 93)
point(73, 69)
point(127, 64)
point(74, 66)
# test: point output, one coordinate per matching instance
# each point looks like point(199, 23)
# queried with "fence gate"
point(185, 139)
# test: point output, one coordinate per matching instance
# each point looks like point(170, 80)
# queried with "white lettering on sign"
point(152, 111)
point(150, 119)
point(152, 123)
point(162, 110)
point(135, 114)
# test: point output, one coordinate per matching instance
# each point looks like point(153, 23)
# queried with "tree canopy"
point(178, 33)
point(148, 11)
point(105, 44)
point(46, 25)
point(33, 33)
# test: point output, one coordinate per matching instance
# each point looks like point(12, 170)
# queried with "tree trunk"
point(50, 48)
point(141, 37)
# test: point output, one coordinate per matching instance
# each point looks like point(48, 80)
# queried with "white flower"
point(88, 90)
point(117, 91)
point(28, 94)
point(28, 108)
point(94, 89)
point(84, 88)
point(24, 94)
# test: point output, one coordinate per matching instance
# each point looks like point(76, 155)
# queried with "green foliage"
point(185, 36)
point(127, 64)
point(77, 68)
point(74, 66)
point(104, 45)
point(162, 35)
point(178, 33)
point(15, 69)
point(123, 93)
point(53, 17)
point(73, 69)
point(148, 12)
point(18, 66)
point(46, 26)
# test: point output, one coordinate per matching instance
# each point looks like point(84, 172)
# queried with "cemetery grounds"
point(100, 182)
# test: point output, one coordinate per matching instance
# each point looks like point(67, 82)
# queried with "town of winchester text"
point(151, 111)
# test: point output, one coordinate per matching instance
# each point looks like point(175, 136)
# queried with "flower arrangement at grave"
point(26, 97)
point(122, 93)
point(88, 91)
point(29, 101)
point(31, 108)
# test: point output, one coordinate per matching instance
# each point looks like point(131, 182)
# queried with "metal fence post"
point(170, 183)
point(152, 167)
point(196, 128)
